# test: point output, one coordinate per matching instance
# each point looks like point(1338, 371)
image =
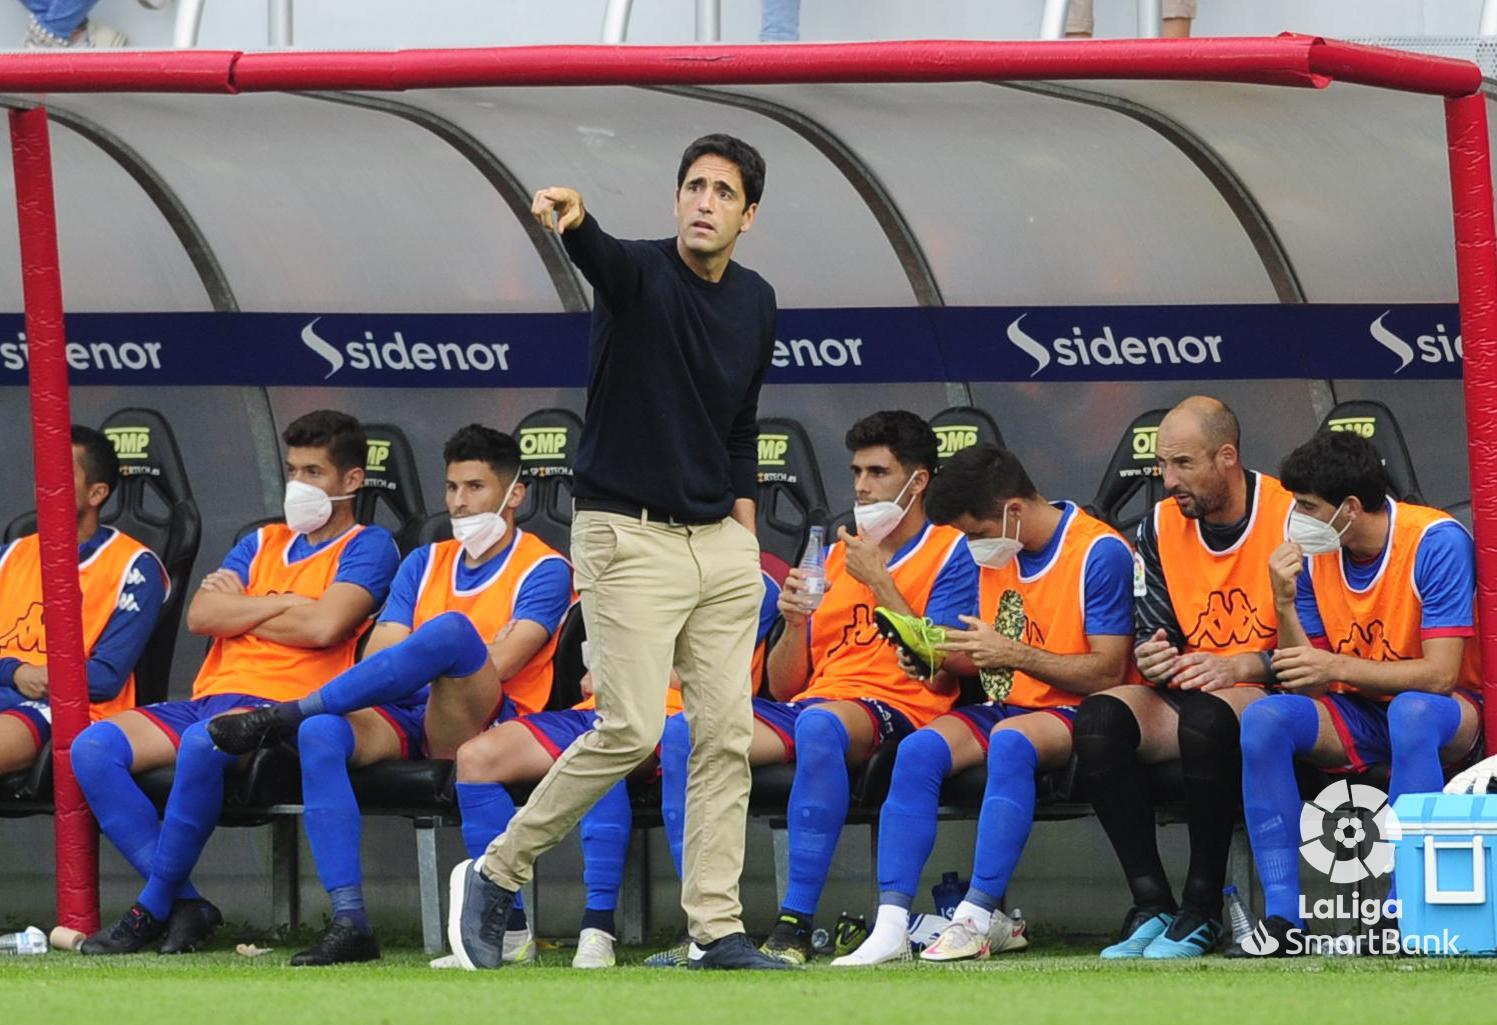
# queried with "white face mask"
point(996, 552)
point(482, 531)
point(1314, 536)
point(308, 508)
point(877, 520)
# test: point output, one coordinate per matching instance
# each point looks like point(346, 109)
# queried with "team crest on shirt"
point(1228, 619)
point(27, 633)
point(860, 633)
point(1370, 644)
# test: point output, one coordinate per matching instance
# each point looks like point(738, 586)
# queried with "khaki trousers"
point(657, 597)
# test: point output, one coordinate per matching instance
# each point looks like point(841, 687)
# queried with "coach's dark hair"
point(342, 436)
point(750, 163)
point(977, 481)
point(101, 465)
point(909, 437)
point(484, 444)
point(1334, 465)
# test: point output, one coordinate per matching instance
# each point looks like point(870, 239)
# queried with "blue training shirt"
point(1107, 577)
point(370, 560)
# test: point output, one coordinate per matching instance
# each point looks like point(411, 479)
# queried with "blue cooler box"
point(1443, 868)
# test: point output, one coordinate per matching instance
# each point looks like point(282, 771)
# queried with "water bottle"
point(947, 894)
point(1238, 918)
point(813, 569)
point(32, 941)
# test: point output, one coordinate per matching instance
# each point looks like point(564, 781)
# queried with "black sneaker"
point(734, 953)
point(478, 910)
point(189, 925)
point(1272, 938)
point(241, 733)
point(341, 944)
point(131, 934)
point(789, 942)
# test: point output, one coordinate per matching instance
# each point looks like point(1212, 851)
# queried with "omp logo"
point(1228, 619)
point(1106, 350)
point(1366, 426)
point(772, 449)
point(130, 442)
point(1436, 348)
point(399, 355)
point(376, 455)
point(541, 444)
point(1145, 443)
point(28, 632)
point(952, 438)
point(1370, 643)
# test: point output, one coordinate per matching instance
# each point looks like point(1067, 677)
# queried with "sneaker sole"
point(847, 960)
point(455, 888)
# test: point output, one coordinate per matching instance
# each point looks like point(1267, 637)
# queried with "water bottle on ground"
point(1236, 914)
point(32, 941)
point(947, 894)
point(813, 569)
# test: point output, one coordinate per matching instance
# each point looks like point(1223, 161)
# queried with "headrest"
point(548, 440)
point(960, 427)
point(791, 496)
point(392, 479)
point(1375, 422)
point(1132, 482)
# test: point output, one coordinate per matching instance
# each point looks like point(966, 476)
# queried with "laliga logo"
point(1333, 829)
point(1435, 348)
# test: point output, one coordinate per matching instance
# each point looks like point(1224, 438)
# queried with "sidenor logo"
point(1427, 348)
point(399, 355)
point(1107, 350)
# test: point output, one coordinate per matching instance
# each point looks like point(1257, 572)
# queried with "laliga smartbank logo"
point(1439, 347)
point(1347, 835)
point(399, 356)
point(1107, 350)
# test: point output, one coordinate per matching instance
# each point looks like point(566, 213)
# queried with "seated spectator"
point(285, 611)
point(123, 585)
point(1376, 606)
point(1178, 14)
point(464, 642)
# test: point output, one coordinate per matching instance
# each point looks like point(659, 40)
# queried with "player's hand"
point(223, 581)
point(1284, 567)
point(1157, 658)
point(985, 646)
point(908, 666)
point(558, 208)
point(31, 681)
point(1203, 671)
point(864, 560)
point(586, 684)
point(1303, 667)
point(1475, 779)
point(792, 603)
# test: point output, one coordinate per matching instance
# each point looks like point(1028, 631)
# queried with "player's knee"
point(198, 752)
point(1414, 719)
point(635, 740)
point(1010, 750)
point(480, 760)
point(451, 635)
point(1106, 730)
point(97, 751)
point(1207, 723)
point(923, 755)
point(819, 734)
point(1265, 729)
point(325, 742)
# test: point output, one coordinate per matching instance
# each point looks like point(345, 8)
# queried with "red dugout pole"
point(57, 521)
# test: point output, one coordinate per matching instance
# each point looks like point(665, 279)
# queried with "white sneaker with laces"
point(519, 946)
point(876, 950)
point(1008, 933)
point(594, 950)
point(962, 940)
point(444, 962)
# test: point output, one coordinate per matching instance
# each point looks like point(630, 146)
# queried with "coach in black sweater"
point(663, 543)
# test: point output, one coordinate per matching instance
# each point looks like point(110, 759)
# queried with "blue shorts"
point(173, 717)
point(1362, 726)
point(557, 730)
point(780, 716)
point(408, 720)
point(36, 716)
point(984, 718)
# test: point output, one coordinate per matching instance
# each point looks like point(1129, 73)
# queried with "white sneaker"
point(874, 950)
point(444, 962)
point(519, 946)
point(962, 940)
point(594, 950)
point(1007, 933)
point(88, 36)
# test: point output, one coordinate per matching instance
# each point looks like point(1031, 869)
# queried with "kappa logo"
point(1371, 643)
point(134, 578)
point(952, 438)
point(130, 442)
point(861, 632)
point(28, 632)
point(1427, 348)
point(1107, 350)
point(1228, 619)
point(398, 355)
point(127, 603)
point(543, 444)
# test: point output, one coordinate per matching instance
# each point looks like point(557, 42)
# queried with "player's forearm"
point(886, 593)
point(1416, 674)
point(789, 665)
point(218, 614)
point(1086, 673)
point(307, 626)
point(1291, 630)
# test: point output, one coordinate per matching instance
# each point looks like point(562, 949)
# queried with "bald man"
point(1205, 630)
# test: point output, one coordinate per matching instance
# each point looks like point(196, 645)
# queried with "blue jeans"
point(60, 17)
point(781, 23)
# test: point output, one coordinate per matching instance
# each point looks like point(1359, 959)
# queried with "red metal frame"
point(1288, 60)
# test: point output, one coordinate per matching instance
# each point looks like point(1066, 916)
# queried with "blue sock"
point(486, 809)
point(1419, 725)
point(334, 826)
point(101, 760)
point(192, 810)
point(818, 806)
point(675, 752)
point(1006, 818)
point(445, 646)
point(907, 821)
point(605, 847)
point(1274, 730)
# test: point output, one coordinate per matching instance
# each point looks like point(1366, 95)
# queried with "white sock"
point(890, 928)
point(981, 917)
